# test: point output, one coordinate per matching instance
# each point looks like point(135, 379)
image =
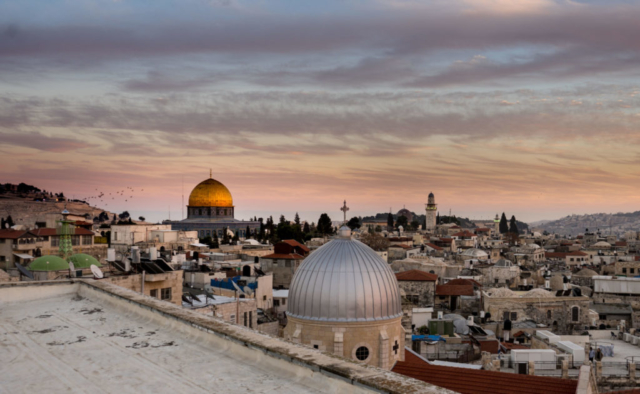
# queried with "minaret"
point(65, 230)
point(431, 213)
point(496, 224)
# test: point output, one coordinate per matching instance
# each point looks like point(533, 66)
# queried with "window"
point(115, 236)
point(315, 346)
point(245, 319)
point(264, 298)
point(250, 319)
point(284, 301)
point(55, 241)
point(624, 270)
point(232, 319)
point(165, 294)
point(276, 302)
point(505, 316)
point(549, 314)
point(514, 316)
point(631, 270)
point(154, 293)
point(575, 313)
point(86, 239)
point(362, 353)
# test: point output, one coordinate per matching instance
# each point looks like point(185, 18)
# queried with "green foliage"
point(354, 223)
point(297, 219)
point(390, 222)
point(402, 221)
point(513, 226)
point(504, 225)
point(306, 229)
point(324, 225)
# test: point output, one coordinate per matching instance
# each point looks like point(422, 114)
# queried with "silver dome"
point(344, 281)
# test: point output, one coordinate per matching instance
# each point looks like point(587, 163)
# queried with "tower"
point(432, 210)
point(65, 230)
point(496, 224)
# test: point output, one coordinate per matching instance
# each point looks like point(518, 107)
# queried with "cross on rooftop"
point(345, 209)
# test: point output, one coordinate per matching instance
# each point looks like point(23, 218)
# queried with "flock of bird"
point(127, 193)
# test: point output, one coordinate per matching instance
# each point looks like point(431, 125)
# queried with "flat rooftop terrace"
point(93, 337)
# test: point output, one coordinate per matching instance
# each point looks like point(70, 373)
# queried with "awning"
point(23, 256)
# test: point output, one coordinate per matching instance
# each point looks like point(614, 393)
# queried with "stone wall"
point(424, 290)
point(133, 282)
point(384, 339)
point(542, 310)
point(271, 328)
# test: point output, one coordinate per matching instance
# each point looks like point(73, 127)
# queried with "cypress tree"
point(9, 221)
point(513, 226)
point(504, 225)
point(248, 233)
point(297, 219)
point(305, 228)
point(390, 221)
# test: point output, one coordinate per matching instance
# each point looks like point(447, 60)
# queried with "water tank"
point(135, 255)
point(111, 255)
point(153, 253)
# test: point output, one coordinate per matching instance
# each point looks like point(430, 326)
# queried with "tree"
point(3, 224)
point(297, 219)
point(324, 224)
point(261, 233)
point(114, 219)
point(225, 237)
point(414, 224)
point(248, 233)
point(378, 229)
point(141, 218)
point(438, 218)
point(236, 237)
point(513, 226)
point(305, 228)
point(402, 221)
point(282, 219)
point(375, 241)
point(390, 222)
point(124, 215)
point(504, 226)
point(9, 221)
point(354, 223)
point(215, 244)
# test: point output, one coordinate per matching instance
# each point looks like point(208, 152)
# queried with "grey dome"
point(344, 281)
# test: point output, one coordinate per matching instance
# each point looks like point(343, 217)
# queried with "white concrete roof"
point(280, 293)
point(95, 337)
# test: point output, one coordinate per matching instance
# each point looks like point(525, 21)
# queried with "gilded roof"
point(210, 193)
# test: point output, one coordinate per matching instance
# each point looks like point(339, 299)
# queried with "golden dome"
point(210, 193)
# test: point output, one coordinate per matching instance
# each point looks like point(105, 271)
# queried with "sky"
point(529, 107)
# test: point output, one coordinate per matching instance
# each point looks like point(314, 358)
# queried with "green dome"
point(82, 260)
point(48, 263)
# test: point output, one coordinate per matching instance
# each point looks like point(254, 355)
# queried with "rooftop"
point(92, 336)
point(416, 275)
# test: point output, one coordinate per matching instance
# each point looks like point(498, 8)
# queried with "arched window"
point(575, 313)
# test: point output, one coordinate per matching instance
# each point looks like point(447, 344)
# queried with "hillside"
point(616, 223)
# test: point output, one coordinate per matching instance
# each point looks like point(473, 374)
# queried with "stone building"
point(418, 287)
point(284, 261)
point(166, 286)
point(584, 277)
point(432, 211)
point(562, 314)
point(22, 246)
point(211, 211)
point(344, 300)
point(627, 268)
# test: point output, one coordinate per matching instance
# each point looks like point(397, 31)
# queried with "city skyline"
point(524, 107)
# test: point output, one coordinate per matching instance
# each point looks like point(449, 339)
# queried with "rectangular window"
point(232, 319)
point(505, 316)
point(631, 270)
point(514, 316)
point(276, 302)
point(86, 239)
point(624, 270)
point(55, 241)
point(165, 294)
point(264, 298)
point(154, 293)
point(284, 301)
point(250, 319)
point(245, 319)
point(115, 235)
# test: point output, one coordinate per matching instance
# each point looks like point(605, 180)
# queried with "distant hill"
point(616, 223)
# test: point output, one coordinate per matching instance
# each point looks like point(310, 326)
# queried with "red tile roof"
point(464, 233)
point(295, 243)
point(621, 243)
point(512, 346)
point(483, 230)
point(11, 233)
point(474, 381)
point(432, 246)
point(291, 256)
point(577, 253)
point(446, 240)
point(464, 282)
point(454, 290)
point(490, 346)
point(555, 255)
point(403, 246)
point(416, 276)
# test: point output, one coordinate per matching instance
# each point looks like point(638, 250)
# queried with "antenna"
point(183, 197)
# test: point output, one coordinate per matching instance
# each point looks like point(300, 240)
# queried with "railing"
point(614, 368)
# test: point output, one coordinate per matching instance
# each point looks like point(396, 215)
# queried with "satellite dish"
point(97, 273)
point(238, 289)
point(24, 271)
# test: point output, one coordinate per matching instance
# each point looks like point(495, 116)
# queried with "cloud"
point(35, 140)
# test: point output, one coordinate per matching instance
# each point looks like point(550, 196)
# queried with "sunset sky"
point(531, 107)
